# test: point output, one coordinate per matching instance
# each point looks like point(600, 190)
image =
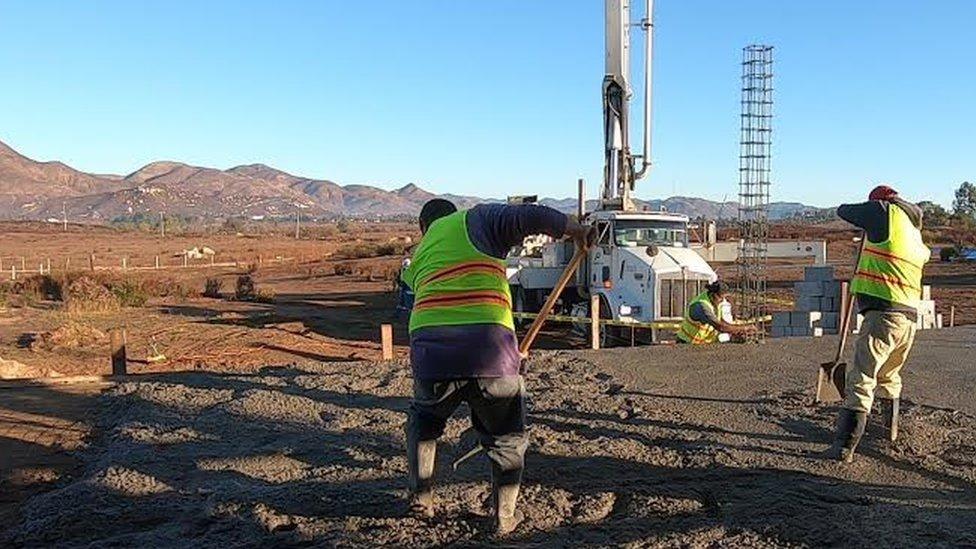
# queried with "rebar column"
point(754, 180)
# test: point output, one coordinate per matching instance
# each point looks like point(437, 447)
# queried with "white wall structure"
point(728, 252)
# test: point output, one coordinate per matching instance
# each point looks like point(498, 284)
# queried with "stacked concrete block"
point(780, 326)
point(819, 291)
point(816, 302)
point(927, 318)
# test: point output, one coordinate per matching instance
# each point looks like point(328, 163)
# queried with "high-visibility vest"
point(698, 333)
point(453, 282)
point(892, 270)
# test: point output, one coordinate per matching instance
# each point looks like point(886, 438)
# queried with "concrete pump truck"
point(643, 268)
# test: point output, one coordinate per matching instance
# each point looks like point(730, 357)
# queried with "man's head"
point(433, 210)
point(716, 291)
point(883, 192)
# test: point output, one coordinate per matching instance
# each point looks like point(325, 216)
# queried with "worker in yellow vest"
point(888, 287)
point(462, 341)
point(704, 321)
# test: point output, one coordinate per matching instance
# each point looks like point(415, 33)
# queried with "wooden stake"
point(386, 336)
point(91, 261)
point(125, 263)
point(23, 263)
point(595, 321)
point(13, 272)
point(185, 259)
point(117, 344)
point(157, 261)
point(952, 316)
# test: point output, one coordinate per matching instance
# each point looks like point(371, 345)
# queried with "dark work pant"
point(497, 415)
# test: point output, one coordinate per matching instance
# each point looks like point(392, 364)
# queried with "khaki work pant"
point(879, 354)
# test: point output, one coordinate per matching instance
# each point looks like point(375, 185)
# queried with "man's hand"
point(584, 235)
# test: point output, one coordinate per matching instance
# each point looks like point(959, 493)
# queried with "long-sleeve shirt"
point(872, 216)
point(706, 315)
point(483, 350)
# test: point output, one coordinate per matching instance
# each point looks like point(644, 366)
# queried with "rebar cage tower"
point(755, 147)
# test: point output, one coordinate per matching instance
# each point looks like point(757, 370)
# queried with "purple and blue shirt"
point(483, 350)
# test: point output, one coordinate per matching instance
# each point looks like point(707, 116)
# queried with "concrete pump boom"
point(619, 173)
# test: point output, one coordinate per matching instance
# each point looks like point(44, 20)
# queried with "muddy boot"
point(507, 517)
point(420, 468)
point(889, 415)
point(850, 429)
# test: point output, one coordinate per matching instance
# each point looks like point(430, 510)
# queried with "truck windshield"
point(637, 233)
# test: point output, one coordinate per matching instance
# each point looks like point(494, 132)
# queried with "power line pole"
point(64, 216)
point(298, 225)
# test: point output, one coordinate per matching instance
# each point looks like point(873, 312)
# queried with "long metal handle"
point(568, 272)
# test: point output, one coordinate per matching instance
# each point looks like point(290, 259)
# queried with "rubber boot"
point(507, 517)
point(420, 469)
point(850, 429)
point(889, 414)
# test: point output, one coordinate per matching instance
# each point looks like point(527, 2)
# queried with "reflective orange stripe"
point(462, 298)
point(887, 280)
point(485, 267)
point(879, 253)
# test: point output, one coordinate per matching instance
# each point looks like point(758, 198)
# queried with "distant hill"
point(39, 190)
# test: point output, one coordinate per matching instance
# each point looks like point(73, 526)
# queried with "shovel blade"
point(830, 383)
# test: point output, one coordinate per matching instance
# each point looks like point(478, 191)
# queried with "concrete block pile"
point(816, 302)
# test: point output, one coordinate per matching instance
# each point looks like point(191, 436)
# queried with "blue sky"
point(491, 97)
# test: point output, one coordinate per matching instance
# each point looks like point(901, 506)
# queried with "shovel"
point(831, 375)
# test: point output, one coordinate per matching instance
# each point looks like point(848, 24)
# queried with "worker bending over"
point(704, 321)
point(462, 341)
point(888, 287)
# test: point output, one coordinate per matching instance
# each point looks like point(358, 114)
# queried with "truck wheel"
point(609, 335)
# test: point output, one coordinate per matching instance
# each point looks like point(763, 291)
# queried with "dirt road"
point(647, 446)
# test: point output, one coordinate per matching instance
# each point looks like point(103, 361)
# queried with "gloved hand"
point(584, 235)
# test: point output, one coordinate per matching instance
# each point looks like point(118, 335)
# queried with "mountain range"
point(30, 189)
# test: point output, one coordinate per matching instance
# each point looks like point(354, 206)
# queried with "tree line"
point(962, 214)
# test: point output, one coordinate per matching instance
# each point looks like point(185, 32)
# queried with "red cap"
point(882, 192)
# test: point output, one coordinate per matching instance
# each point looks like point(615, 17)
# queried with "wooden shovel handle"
point(568, 272)
point(847, 313)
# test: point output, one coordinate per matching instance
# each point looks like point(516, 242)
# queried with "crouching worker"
point(888, 286)
point(462, 341)
point(704, 321)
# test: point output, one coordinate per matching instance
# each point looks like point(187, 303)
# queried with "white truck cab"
point(642, 267)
